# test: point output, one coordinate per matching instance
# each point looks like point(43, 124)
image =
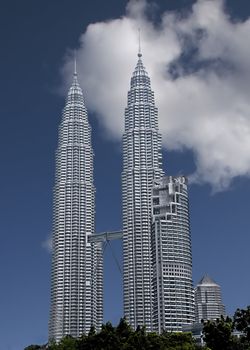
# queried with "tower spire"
point(139, 42)
point(75, 71)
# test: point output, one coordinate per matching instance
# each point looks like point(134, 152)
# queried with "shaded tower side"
point(173, 304)
point(208, 300)
point(76, 277)
point(141, 165)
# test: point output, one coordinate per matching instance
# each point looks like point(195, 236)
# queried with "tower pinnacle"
point(139, 39)
point(75, 71)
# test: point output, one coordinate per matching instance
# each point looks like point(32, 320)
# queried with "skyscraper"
point(141, 165)
point(173, 302)
point(76, 277)
point(208, 300)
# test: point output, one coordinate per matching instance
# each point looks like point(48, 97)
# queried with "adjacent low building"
point(208, 306)
point(208, 300)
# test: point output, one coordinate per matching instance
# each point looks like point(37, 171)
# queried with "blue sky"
point(36, 43)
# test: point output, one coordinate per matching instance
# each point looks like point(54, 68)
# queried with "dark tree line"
point(222, 334)
point(123, 337)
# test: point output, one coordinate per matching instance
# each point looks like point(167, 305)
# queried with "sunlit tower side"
point(76, 277)
point(173, 305)
point(142, 162)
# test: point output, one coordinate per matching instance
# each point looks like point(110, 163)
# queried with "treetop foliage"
point(227, 333)
point(221, 334)
point(123, 337)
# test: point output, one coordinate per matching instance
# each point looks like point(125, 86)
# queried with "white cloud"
point(47, 244)
point(205, 107)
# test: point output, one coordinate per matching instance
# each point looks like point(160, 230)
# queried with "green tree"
point(242, 322)
point(137, 340)
point(107, 338)
point(178, 341)
point(66, 343)
point(92, 331)
point(123, 330)
point(123, 337)
point(155, 341)
point(218, 334)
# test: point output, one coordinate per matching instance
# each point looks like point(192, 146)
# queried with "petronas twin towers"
point(154, 279)
point(76, 278)
point(141, 165)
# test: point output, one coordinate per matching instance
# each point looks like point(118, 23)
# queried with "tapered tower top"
point(206, 280)
point(75, 92)
point(139, 69)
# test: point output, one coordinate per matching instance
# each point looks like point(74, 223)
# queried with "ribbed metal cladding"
point(173, 305)
point(141, 165)
point(76, 277)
